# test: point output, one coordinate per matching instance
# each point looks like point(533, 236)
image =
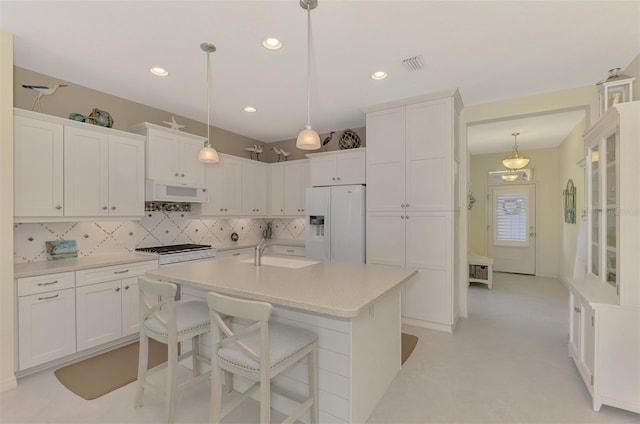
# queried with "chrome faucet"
point(258, 252)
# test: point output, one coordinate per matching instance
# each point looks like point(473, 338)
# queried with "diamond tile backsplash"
point(158, 228)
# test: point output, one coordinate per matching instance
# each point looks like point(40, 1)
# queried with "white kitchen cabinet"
point(277, 249)
point(103, 174)
point(106, 303)
point(411, 212)
point(172, 156)
point(38, 168)
point(288, 182)
point(604, 339)
point(254, 188)
point(46, 318)
point(342, 167)
point(243, 251)
point(224, 182)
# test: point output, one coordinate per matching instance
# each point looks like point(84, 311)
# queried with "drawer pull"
point(49, 283)
point(117, 289)
point(290, 250)
point(121, 272)
point(235, 254)
point(48, 297)
point(126, 287)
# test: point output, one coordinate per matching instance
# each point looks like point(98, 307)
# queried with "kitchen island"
point(354, 309)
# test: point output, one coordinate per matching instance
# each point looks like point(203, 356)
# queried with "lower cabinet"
point(604, 343)
point(46, 318)
point(107, 304)
point(64, 313)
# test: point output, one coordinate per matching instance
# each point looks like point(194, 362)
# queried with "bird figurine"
point(285, 154)
point(254, 149)
point(327, 139)
point(42, 90)
point(173, 124)
point(281, 153)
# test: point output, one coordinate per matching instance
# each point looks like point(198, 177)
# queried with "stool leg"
point(143, 357)
point(195, 355)
point(265, 396)
point(172, 362)
point(228, 379)
point(312, 364)
point(216, 390)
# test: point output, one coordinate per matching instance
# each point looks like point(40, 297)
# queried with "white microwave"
point(161, 191)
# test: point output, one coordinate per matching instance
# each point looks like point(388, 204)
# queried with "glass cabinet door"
point(594, 155)
point(611, 199)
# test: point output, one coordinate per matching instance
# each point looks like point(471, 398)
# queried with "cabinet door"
point(386, 238)
point(429, 147)
point(322, 171)
point(254, 188)
point(130, 306)
point(223, 181)
point(426, 297)
point(163, 155)
point(99, 314)
point(296, 177)
point(385, 160)
point(86, 172)
point(46, 327)
point(350, 167)
point(574, 326)
point(587, 348)
point(38, 168)
point(232, 192)
point(277, 189)
point(126, 177)
point(191, 170)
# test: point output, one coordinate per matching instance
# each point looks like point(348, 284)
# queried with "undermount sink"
point(282, 262)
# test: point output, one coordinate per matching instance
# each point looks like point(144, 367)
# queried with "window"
point(511, 219)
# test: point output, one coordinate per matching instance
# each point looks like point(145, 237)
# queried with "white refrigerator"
point(335, 223)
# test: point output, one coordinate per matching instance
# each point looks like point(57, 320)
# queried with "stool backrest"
point(257, 313)
point(156, 295)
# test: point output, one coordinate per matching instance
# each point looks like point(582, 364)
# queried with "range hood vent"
point(414, 63)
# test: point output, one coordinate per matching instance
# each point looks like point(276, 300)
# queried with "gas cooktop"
point(176, 248)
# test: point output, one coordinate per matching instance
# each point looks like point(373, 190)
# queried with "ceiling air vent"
point(413, 63)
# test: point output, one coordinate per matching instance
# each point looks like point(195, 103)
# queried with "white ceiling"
point(490, 50)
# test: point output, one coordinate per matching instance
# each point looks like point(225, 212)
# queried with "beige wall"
point(546, 164)
point(633, 70)
point(7, 378)
point(125, 113)
point(571, 152)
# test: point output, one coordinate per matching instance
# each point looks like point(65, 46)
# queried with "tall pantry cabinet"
point(412, 208)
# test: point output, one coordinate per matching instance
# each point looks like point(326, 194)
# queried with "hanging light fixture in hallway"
point(515, 161)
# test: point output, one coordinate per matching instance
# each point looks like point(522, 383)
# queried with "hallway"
point(506, 363)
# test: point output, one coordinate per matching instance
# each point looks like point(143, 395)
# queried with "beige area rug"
point(99, 375)
point(409, 342)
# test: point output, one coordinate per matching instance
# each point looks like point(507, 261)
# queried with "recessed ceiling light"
point(161, 72)
point(378, 75)
point(272, 44)
point(250, 109)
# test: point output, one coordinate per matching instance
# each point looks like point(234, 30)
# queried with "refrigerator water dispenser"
point(316, 224)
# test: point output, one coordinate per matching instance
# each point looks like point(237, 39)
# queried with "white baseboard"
point(448, 328)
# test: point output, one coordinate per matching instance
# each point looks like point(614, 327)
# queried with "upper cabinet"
point(224, 181)
point(254, 188)
point(67, 169)
point(38, 167)
point(342, 167)
point(288, 181)
point(612, 154)
point(172, 156)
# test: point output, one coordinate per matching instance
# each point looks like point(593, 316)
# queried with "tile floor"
point(506, 363)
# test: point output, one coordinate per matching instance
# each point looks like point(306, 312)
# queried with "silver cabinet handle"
point(117, 289)
point(182, 175)
point(48, 297)
point(401, 216)
point(225, 209)
point(402, 205)
point(48, 284)
point(113, 208)
point(575, 308)
point(289, 251)
point(406, 206)
point(176, 174)
point(104, 208)
point(221, 209)
point(58, 207)
point(126, 287)
point(333, 178)
point(121, 272)
point(406, 216)
point(281, 210)
point(338, 178)
point(235, 254)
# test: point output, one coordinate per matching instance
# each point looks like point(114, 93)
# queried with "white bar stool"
point(168, 322)
point(258, 351)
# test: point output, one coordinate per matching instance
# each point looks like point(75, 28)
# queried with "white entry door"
point(511, 232)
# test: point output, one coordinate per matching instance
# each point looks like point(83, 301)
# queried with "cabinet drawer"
point(287, 250)
point(45, 283)
point(115, 272)
point(234, 253)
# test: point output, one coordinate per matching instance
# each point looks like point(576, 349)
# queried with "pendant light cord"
point(308, 63)
point(208, 99)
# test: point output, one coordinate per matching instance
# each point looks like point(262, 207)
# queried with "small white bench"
point(480, 269)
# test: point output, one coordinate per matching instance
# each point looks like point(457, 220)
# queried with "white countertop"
point(33, 269)
point(241, 244)
point(595, 291)
point(339, 289)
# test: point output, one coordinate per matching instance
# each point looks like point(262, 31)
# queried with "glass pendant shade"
point(515, 161)
point(308, 139)
point(510, 177)
point(208, 155)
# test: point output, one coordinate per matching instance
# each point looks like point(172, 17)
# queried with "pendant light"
point(308, 139)
point(511, 176)
point(208, 154)
point(515, 161)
